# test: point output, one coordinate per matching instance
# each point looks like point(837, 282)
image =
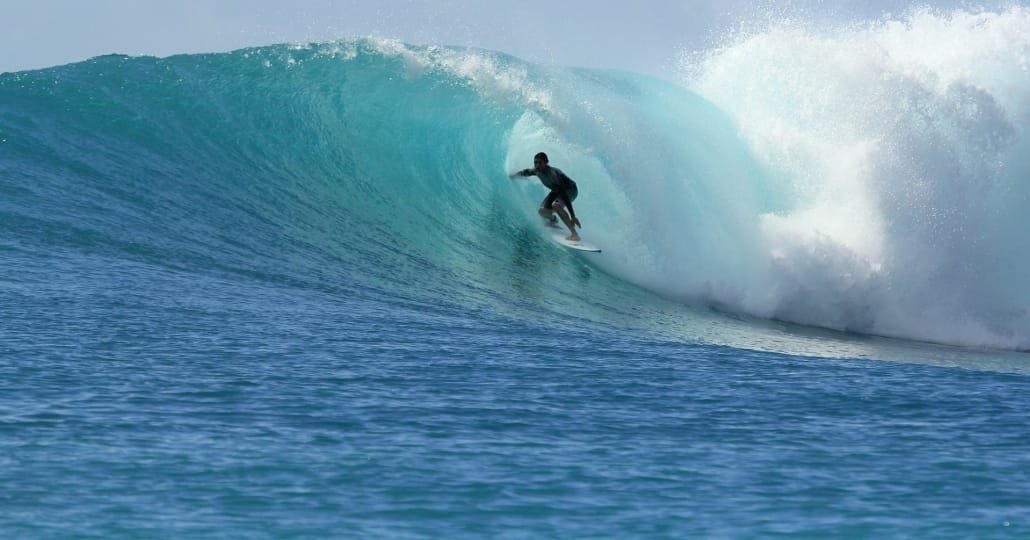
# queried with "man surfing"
point(563, 192)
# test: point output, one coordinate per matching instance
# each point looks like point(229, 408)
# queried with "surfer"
point(563, 192)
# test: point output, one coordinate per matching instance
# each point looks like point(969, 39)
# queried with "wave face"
point(373, 168)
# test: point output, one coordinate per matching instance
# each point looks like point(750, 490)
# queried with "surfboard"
point(580, 244)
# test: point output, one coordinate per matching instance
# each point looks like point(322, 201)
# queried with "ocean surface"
point(290, 292)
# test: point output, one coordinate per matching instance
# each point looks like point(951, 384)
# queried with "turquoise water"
point(290, 292)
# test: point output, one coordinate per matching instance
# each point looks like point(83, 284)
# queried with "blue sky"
point(644, 36)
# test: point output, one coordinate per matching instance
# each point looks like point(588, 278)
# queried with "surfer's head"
point(540, 160)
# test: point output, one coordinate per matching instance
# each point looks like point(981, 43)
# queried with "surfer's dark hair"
point(542, 157)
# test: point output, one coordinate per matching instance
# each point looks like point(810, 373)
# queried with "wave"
point(371, 167)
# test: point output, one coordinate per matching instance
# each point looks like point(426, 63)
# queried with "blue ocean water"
point(290, 292)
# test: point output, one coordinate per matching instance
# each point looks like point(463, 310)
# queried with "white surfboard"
point(578, 244)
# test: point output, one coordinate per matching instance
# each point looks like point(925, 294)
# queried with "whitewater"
point(290, 290)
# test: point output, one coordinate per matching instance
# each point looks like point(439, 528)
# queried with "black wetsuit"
point(561, 186)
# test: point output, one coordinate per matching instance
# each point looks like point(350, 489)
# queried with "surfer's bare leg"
point(560, 210)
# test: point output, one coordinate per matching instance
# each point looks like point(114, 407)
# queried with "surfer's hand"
point(575, 221)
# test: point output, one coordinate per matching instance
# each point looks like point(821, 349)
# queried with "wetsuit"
point(561, 186)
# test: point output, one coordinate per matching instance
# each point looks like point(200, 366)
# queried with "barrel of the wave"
point(668, 189)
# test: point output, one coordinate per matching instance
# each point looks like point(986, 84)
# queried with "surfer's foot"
point(551, 221)
point(572, 238)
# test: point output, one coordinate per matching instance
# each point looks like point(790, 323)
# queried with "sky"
point(644, 36)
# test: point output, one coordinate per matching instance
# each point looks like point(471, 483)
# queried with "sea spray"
point(900, 148)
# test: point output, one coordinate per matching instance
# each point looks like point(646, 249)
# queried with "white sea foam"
point(899, 150)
